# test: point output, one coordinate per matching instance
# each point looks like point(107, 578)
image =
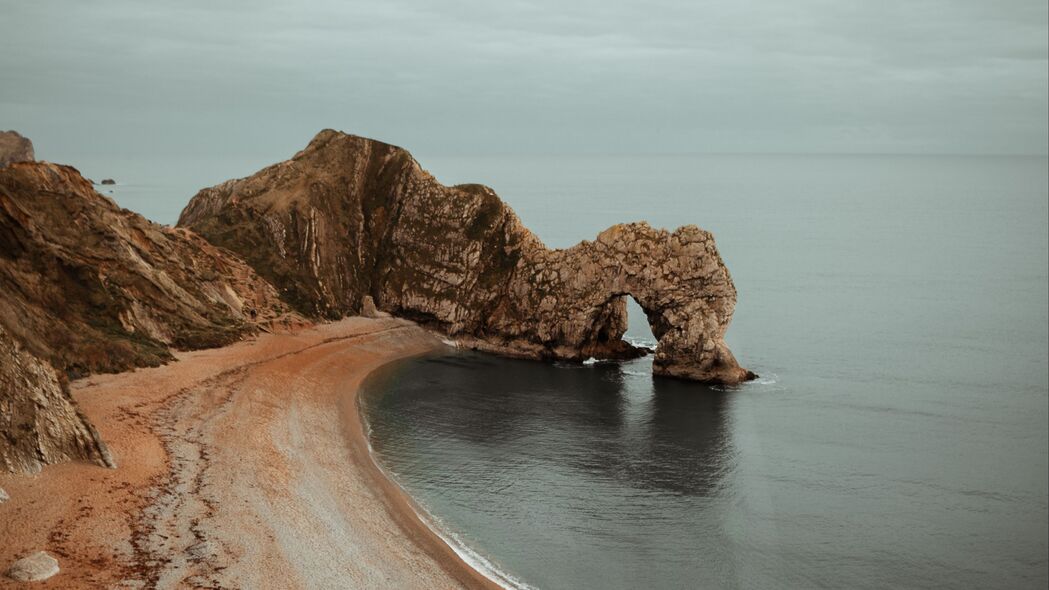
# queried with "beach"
point(243, 466)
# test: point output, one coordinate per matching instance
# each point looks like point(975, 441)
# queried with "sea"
point(895, 308)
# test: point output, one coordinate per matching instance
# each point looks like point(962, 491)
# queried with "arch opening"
point(638, 330)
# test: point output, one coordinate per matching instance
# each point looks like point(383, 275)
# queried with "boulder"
point(36, 567)
point(369, 310)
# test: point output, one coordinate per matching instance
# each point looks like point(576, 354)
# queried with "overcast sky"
point(527, 76)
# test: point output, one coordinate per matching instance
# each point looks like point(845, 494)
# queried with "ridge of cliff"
point(350, 217)
point(87, 287)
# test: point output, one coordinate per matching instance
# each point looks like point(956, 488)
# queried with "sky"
point(207, 78)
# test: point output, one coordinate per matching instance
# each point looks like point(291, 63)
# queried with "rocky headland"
point(349, 217)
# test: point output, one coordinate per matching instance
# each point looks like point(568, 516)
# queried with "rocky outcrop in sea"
point(349, 217)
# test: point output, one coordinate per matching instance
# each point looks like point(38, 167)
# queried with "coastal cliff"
point(88, 287)
point(349, 217)
point(39, 421)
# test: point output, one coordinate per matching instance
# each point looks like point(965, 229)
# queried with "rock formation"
point(92, 287)
point(39, 422)
point(34, 568)
point(89, 287)
point(14, 148)
point(350, 217)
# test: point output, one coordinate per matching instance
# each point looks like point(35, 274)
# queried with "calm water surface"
point(896, 308)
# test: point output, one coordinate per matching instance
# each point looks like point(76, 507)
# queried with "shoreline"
point(247, 465)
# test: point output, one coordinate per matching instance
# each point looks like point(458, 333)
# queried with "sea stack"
point(350, 217)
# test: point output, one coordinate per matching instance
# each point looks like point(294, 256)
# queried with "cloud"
point(530, 75)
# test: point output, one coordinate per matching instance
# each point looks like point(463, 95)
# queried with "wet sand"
point(245, 466)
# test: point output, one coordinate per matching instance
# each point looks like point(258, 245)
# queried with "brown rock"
point(92, 287)
point(88, 287)
point(369, 310)
point(14, 148)
point(350, 217)
point(39, 421)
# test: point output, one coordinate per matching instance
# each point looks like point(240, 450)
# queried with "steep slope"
point(39, 422)
point(91, 287)
point(88, 287)
point(349, 217)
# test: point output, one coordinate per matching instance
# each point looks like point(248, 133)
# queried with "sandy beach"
point(245, 466)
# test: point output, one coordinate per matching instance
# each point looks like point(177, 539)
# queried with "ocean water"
point(895, 306)
point(896, 309)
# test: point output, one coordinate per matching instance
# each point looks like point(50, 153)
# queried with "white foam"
point(590, 361)
point(642, 342)
point(766, 379)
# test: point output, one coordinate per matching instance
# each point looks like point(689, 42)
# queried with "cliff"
point(14, 148)
point(39, 422)
point(87, 287)
point(349, 217)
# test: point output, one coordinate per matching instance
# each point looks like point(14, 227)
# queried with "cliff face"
point(14, 148)
point(350, 217)
point(94, 288)
point(39, 422)
point(88, 287)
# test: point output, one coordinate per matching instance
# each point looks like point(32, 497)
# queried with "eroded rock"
point(369, 310)
point(88, 287)
point(348, 218)
point(15, 148)
point(92, 287)
point(39, 421)
point(34, 568)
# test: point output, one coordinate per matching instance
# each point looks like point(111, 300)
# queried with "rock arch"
point(678, 279)
point(349, 217)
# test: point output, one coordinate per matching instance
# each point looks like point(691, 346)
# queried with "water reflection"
point(533, 462)
point(650, 433)
point(689, 449)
